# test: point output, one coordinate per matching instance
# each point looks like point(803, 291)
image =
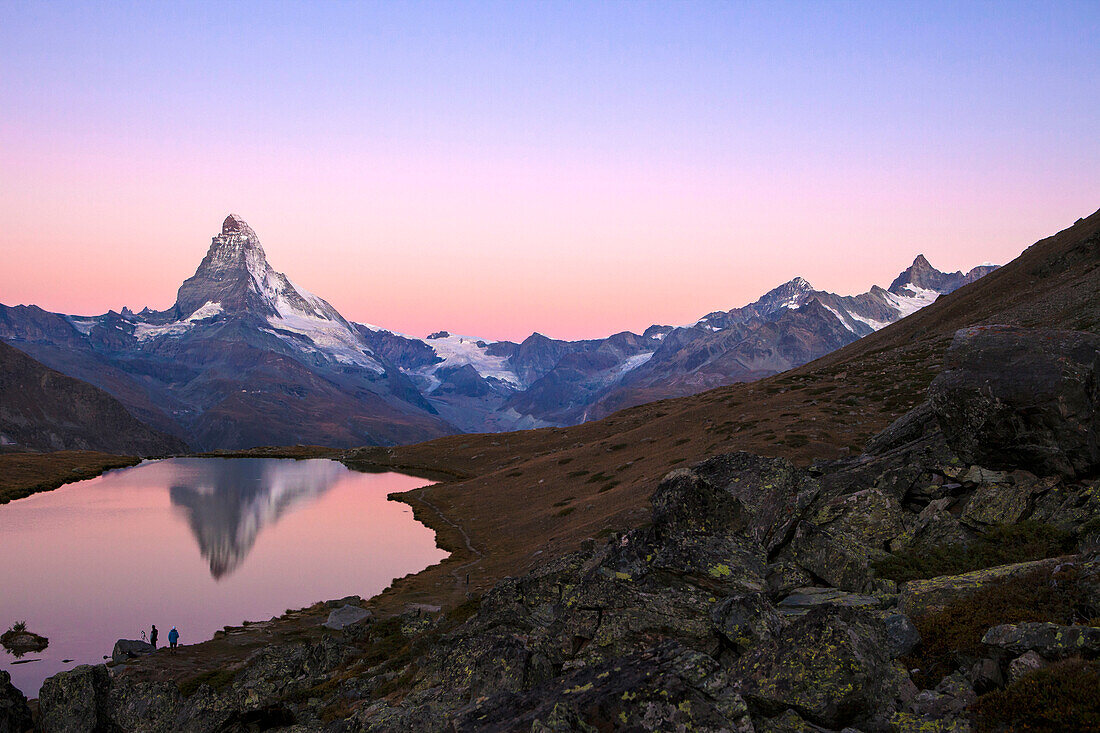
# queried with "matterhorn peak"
point(234, 224)
point(234, 274)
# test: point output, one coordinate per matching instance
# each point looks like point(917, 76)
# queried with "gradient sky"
point(571, 168)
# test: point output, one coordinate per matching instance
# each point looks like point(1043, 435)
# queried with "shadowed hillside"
point(543, 491)
point(41, 409)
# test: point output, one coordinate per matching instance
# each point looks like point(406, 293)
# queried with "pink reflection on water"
point(198, 544)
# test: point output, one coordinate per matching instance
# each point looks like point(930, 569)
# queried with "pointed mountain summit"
point(791, 294)
point(922, 276)
point(235, 278)
point(234, 224)
point(232, 277)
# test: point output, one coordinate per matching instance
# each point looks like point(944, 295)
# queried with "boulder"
point(15, 715)
point(902, 636)
point(835, 558)
point(871, 517)
point(1024, 664)
point(934, 527)
point(773, 492)
point(687, 502)
point(785, 577)
point(985, 675)
point(952, 696)
point(788, 722)
point(345, 616)
point(745, 620)
point(830, 666)
point(920, 597)
point(802, 600)
point(666, 687)
point(75, 701)
point(1014, 397)
point(910, 427)
point(1051, 641)
point(130, 648)
point(1005, 501)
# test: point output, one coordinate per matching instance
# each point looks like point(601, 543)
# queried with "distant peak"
point(234, 224)
point(801, 284)
point(921, 261)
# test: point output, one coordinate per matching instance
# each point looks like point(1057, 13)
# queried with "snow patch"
point(458, 351)
point(149, 331)
point(331, 339)
point(839, 317)
point(634, 362)
point(907, 304)
point(84, 325)
point(208, 310)
point(869, 321)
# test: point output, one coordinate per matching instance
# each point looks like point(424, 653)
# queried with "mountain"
point(789, 326)
point(244, 357)
point(44, 410)
point(247, 357)
point(525, 497)
point(481, 386)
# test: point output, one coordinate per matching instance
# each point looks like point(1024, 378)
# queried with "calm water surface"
point(196, 543)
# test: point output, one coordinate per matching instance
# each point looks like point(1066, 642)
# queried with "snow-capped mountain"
point(478, 384)
point(245, 357)
point(248, 357)
point(236, 280)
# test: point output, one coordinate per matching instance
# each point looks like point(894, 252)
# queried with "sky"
point(575, 169)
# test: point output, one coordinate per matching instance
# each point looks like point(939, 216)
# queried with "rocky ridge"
point(759, 597)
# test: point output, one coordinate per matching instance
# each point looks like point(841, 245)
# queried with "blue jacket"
point(173, 635)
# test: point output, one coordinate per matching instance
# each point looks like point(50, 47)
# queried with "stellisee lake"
point(196, 543)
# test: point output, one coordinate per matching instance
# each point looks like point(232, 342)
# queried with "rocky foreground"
point(947, 579)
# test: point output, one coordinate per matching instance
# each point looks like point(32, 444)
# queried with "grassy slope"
point(512, 507)
point(23, 474)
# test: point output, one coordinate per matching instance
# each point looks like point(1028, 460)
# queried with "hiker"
point(153, 636)
point(173, 637)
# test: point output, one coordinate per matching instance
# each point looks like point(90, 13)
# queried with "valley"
point(510, 503)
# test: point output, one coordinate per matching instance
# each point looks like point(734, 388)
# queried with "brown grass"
point(23, 474)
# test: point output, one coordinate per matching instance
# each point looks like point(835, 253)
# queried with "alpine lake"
point(198, 544)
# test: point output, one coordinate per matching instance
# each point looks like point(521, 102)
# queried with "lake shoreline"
point(262, 627)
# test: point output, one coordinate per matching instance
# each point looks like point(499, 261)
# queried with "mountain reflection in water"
point(228, 502)
point(104, 559)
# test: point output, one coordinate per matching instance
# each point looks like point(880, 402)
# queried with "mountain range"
point(247, 357)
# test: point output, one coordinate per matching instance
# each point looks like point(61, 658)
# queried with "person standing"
point(173, 637)
point(153, 636)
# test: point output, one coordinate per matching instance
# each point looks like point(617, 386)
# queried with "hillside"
point(536, 493)
point(742, 592)
point(44, 410)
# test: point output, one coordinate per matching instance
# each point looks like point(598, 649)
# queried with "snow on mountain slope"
point(303, 313)
point(235, 280)
point(458, 351)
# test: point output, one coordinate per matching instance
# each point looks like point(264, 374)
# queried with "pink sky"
point(576, 183)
